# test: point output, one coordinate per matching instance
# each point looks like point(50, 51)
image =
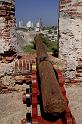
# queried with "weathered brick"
point(7, 25)
point(70, 31)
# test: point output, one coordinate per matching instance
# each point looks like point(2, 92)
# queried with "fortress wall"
point(70, 38)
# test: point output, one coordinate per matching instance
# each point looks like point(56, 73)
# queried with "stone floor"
point(74, 94)
point(12, 110)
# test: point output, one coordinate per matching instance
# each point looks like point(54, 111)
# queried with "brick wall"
point(7, 42)
point(70, 38)
point(7, 26)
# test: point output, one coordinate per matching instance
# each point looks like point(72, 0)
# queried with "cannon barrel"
point(40, 48)
point(52, 98)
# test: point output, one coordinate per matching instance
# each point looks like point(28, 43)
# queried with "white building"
point(38, 27)
point(29, 24)
point(20, 24)
point(38, 24)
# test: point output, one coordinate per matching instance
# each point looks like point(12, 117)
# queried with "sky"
point(33, 10)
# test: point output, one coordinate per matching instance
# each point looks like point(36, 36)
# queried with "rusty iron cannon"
point(40, 48)
point(52, 98)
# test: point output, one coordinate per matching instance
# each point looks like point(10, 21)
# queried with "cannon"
point(52, 99)
point(40, 48)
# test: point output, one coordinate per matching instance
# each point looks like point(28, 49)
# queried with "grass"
point(30, 47)
point(51, 46)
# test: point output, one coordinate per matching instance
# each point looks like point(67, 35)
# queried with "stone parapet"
point(8, 42)
point(70, 36)
point(7, 26)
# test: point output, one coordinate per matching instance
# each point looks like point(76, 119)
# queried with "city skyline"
point(34, 10)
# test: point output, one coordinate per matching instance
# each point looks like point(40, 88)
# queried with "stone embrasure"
point(70, 37)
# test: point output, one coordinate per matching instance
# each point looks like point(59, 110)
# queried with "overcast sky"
point(32, 10)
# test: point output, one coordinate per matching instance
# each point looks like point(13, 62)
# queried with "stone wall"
point(7, 41)
point(70, 38)
point(7, 26)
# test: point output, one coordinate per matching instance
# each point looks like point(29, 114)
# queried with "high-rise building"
point(20, 24)
point(29, 24)
point(38, 25)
